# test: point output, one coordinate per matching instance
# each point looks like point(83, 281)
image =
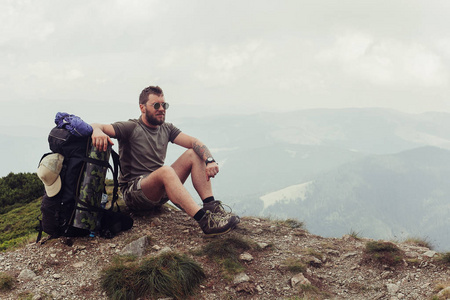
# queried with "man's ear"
point(142, 108)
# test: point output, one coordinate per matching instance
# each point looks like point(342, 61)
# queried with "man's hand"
point(100, 139)
point(211, 170)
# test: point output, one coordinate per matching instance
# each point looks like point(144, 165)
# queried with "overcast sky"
point(92, 58)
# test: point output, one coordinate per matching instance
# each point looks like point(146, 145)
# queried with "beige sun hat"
point(48, 171)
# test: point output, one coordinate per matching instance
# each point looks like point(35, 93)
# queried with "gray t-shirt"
point(142, 149)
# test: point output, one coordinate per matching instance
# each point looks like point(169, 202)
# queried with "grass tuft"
point(421, 242)
point(294, 265)
point(445, 257)
point(226, 253)
point(25, 296)
point(385, 253)
point(292, 223)
point(6, 282)
point(166, 275)
point(228, 247)
point(355, 234)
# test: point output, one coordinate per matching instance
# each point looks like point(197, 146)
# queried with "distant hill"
point(381, 196)
point(373, 131)
point(361, 162)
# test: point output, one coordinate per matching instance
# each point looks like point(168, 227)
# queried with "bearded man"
point(146, 182)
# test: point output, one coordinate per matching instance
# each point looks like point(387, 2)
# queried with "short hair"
point(151, 90)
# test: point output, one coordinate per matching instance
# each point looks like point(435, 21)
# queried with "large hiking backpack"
point(78, 208)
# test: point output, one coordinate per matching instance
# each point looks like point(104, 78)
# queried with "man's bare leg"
point(190, 164)
point(165, 179)
point(171, 179)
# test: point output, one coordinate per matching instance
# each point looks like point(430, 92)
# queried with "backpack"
point(78, 209)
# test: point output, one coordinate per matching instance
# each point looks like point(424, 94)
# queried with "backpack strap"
point(101, 163)
point(40, 230)
point(115, 171)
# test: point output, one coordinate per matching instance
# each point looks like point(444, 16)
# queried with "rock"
point(26, 275)
point(350, 254)
point(248, 287)
point(56, 276)
point(156, 222)
point(299, 279)
point(411, 254)
point(240, 278)
point(263, 245)
point(430, 253)
point(136, 247)
point(333, 252)
point(392, 288)
point(246, 257)
point(315, 262)
point(165, 250)
point(79, 264)
point(347, 237)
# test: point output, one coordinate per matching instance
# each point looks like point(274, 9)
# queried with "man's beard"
point(153, 121)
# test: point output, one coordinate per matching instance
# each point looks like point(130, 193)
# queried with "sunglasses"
point(157, 105)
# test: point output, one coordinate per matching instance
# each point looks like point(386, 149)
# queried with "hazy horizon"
point(92, 58)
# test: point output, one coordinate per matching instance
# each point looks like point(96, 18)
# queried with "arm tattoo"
point(201, 150)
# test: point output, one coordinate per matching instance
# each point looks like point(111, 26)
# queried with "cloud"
point(385, 62)
point(218, 65)
point(443, 46)
point(217, 53)
point(23, 22)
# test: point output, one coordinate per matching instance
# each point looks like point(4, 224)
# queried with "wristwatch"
point(209, 160)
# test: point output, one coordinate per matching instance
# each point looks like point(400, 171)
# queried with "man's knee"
point(192, 156)
point(166, 172)
point(188, 154)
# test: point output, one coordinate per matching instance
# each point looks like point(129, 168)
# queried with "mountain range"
point(379, 172)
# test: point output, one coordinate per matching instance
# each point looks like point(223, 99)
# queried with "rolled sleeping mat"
point(91, 190)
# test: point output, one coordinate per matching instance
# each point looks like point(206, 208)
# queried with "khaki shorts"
point(136, 200)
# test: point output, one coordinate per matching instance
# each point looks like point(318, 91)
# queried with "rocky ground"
point(336, 268)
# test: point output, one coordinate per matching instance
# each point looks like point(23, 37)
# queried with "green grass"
point(18, 226)
point(294, 265)
point(167, 275)
point(291, 223)
point(6, 282)
point(445, 257)
point(385, 253)
point(25, 296)
point(226, 253)
point(355, 234)
point(421, 242)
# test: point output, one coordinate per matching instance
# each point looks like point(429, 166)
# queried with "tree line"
point(19, 189)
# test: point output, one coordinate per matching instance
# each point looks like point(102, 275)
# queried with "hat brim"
point(53, 189)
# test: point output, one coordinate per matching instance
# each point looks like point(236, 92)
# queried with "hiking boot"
point(217, 208)
point(216, 224)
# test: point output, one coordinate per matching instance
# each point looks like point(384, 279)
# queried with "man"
point(146, 182)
